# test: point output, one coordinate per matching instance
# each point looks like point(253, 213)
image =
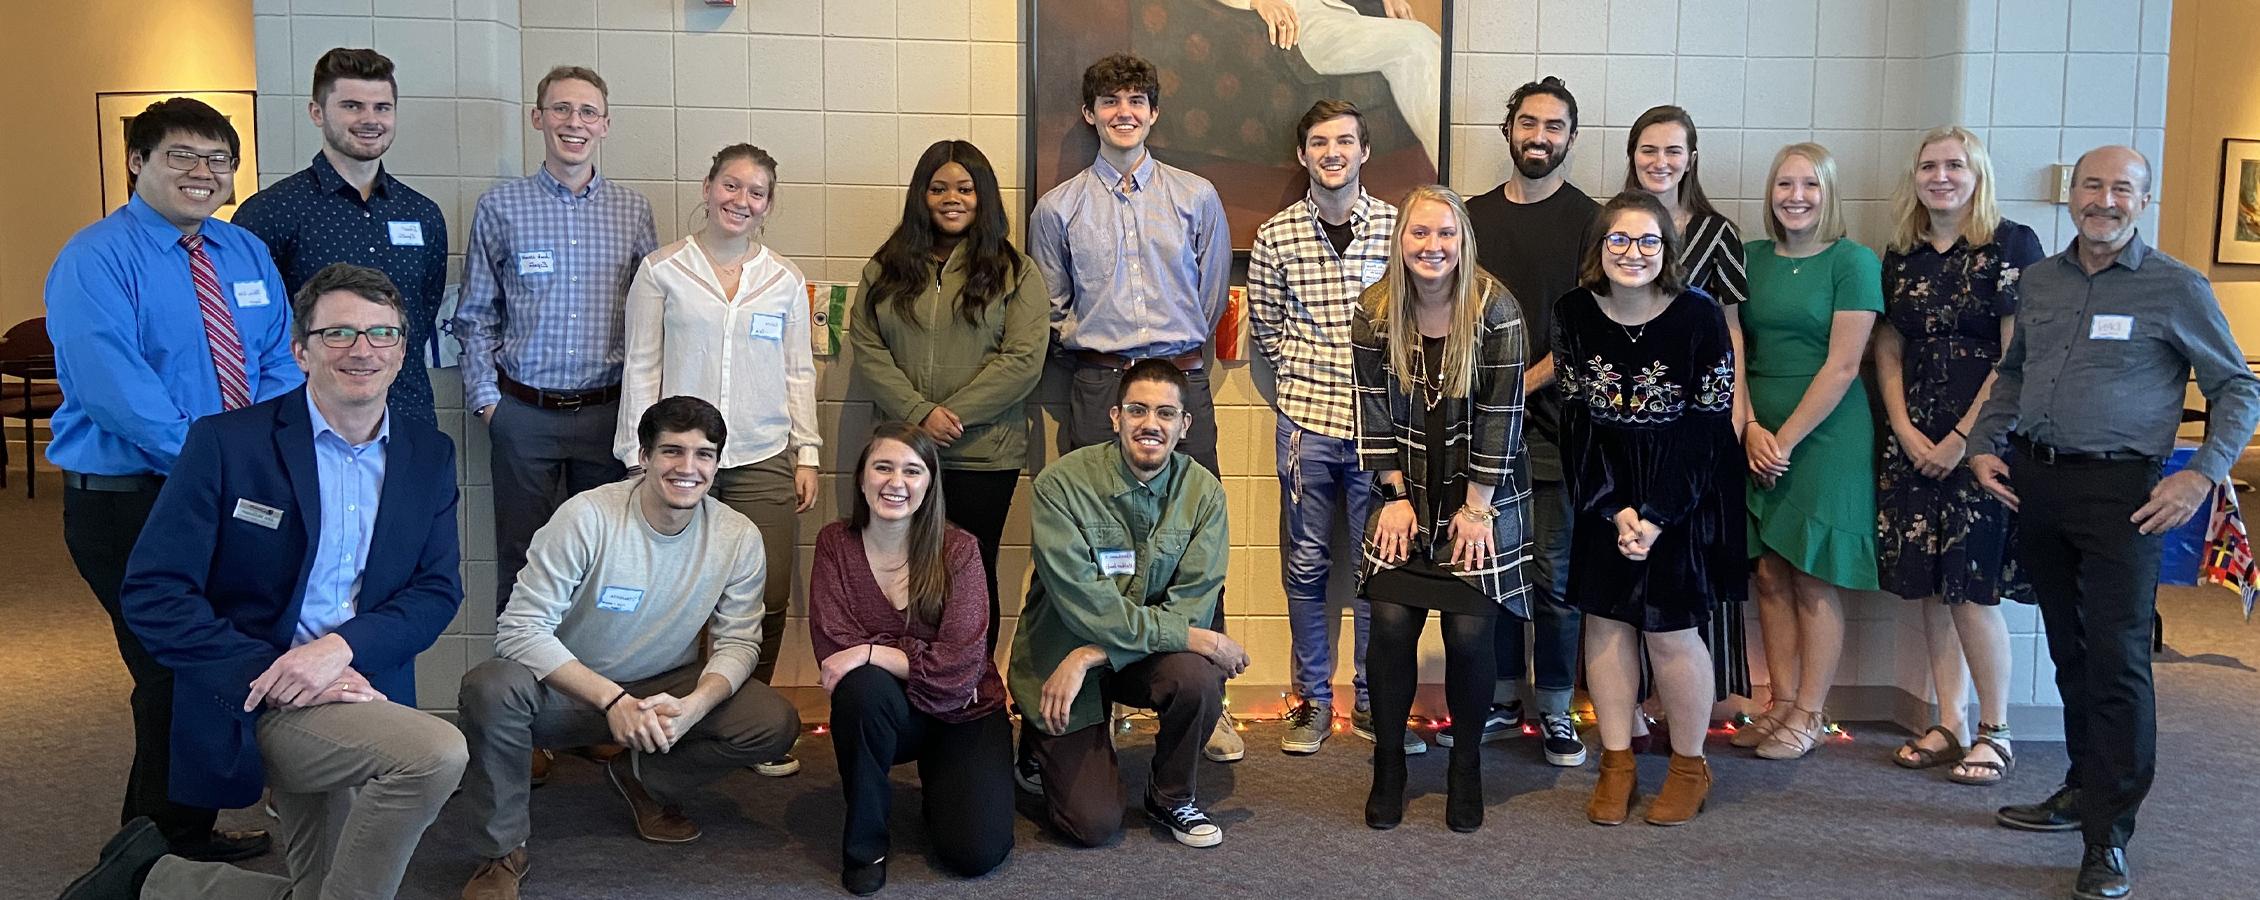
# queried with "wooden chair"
point(28, 390)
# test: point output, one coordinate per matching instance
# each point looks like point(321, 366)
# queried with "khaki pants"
point(763, 492)
point(355, 785)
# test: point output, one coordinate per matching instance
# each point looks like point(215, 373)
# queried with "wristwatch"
point(1391, 493)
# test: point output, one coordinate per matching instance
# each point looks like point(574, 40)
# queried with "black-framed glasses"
point(342, 337)
point(1167, 414)
point(1620, 243)
point(185, 161)
point(565, 112)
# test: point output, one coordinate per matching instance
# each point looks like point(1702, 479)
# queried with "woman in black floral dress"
point(1949, 282)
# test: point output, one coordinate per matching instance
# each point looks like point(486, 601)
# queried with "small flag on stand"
point(2228, 550)
point(827, 317)
point(1231, 338)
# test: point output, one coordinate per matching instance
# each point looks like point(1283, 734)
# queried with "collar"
point(1159, 486)
point(557, 188)
point(322, 425)
point(2130, 256)
point(154, 225)
point(1360, 212)
point(1142, 176)
point(326, 175)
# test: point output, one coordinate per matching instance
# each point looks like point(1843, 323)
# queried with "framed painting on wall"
point(1230, 96)
point(2237, 238)
point(114, 111)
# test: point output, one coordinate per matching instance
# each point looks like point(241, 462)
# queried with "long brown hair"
point(1389, 303)
point(929, 576)
point(1691, 196)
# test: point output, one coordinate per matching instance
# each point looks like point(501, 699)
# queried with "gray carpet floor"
point(1842, 823)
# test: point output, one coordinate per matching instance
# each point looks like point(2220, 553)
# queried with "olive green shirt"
point(1173, 530)
point(981, 370)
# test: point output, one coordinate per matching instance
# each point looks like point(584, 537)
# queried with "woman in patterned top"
point(1648, 445)
point(1438, 348)
point(1949, 283)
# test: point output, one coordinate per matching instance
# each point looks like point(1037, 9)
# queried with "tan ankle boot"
point(1612, 796)
point(1686, 784)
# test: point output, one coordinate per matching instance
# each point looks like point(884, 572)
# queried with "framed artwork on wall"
point(1230, 95)
point(114, 111)
point(2237, 235)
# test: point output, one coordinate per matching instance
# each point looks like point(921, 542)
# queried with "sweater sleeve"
point(557, 563)
point(946, 672)
point(832, 626)
point(736, 623)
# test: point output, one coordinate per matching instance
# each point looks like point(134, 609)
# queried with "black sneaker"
point(1562, 746)
point(1187, 823)
point(1502, 722)
point(1029, 775)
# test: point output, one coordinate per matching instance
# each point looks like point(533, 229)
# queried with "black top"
point(1338, 235)
point(1535, 249)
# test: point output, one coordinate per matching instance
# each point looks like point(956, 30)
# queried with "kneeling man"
point(1130, 550)
point(600, 642)
point(289, 583)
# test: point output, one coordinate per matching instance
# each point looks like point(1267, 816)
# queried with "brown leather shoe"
point(1686, 784)
point(542, 761)
point(656, 822)
point(1612, 795)
point(497, 879)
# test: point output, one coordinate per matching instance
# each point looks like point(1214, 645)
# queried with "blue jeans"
point(1319, 475)
point(1553, 658)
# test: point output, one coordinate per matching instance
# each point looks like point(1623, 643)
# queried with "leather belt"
point(113, 484)
point(1189, 361)
point(2043, 454)
point(559, 400)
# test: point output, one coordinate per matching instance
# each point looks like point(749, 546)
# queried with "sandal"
point(1794, 740)
point(1913, 755)
point(1760, 726)
point(1984, 772)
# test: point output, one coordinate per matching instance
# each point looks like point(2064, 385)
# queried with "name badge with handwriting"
point(619, 599)
point(2110, 328)
point(250, 294)
point(768, 326)
point(1374, 269)
point(1118, 562)
point(537, 262)
point(258, 514)
point(407, 234)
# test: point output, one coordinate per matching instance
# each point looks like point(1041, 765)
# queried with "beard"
point(1535, 169)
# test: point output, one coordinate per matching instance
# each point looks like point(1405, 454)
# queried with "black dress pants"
point(2096, 577)
point(979, 502)
point(99, 530)
point(965, 769)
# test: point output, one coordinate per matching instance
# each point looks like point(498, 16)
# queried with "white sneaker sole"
point(778, 771)
point(1192, 840)
point(1566, 760)
point(1214, 756)
point(1301, 748)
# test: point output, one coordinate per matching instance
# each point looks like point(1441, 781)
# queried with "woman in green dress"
point(1810, 439)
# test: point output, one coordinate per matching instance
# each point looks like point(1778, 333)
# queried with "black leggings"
point(1392, 666)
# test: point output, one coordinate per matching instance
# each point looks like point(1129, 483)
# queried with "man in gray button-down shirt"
point(2087, 401)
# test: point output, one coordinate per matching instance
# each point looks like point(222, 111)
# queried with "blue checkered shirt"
point(545, 276)
point(1301, 295)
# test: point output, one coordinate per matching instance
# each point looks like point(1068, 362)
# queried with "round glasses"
point(1620, 243)
point(341, 337)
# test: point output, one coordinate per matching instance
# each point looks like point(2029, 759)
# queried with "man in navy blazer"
point(300, 557)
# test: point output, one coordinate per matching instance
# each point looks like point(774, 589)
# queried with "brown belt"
point(562, 400)
point(1190, 361)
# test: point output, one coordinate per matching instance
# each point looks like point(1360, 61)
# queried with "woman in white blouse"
point(720, 317)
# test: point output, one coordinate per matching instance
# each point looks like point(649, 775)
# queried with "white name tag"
point(1118, 562)
point(619, 599)
point(768, 326)
point(258, 514)
point(250, 294)
point(1374, 269)
point(2110, 328)
point(407, 234)
point(537, 262)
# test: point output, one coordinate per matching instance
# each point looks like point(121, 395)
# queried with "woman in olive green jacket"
point(949, 335)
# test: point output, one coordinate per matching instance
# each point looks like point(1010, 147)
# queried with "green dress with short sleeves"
point(1820, 516)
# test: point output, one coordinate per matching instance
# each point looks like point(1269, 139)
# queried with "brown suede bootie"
point(1612, 795)
point(1686, 784)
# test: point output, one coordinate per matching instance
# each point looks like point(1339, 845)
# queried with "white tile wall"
point(846, 93)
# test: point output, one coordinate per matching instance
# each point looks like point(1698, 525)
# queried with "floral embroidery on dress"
point(1715, 391)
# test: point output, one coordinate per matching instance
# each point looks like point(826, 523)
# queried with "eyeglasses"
point(342, 337)
point(185, 161)
point(1167, 414)
point(1620, 243)
point(565, 112)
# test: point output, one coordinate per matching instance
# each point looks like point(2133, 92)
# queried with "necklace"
point(1634, 333)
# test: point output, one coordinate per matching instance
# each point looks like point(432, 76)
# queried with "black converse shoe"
point(1502, 722)
point(1187, 823)
point(1562, 746)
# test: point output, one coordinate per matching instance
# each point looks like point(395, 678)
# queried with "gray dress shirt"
point(2100, 362)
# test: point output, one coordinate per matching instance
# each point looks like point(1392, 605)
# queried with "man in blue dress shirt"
point(346, 208)
point(160, 314)
point(301, 556)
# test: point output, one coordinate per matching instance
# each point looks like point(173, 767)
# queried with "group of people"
point(1573, 429)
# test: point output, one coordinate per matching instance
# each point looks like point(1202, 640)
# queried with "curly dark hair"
point(1550, 86)
point(1121, 71)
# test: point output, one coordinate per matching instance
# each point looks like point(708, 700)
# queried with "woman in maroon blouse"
point(898, 610)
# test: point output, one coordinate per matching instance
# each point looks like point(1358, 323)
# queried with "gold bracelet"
point(1479, 513)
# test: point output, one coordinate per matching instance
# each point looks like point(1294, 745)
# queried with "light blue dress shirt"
point(1139, 272)
point(351, 477)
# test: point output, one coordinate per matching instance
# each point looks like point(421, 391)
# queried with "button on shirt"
point(130, 350)
point(748, 353)
point(314, 218)
point(351, 478)
point(1138, 271)
point(1301, 295)
point(2100, 363)
point(544, 273)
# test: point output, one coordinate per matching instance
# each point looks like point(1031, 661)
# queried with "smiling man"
point(601, 642)
point(2083, 413)
point(1130, 553)
point(346, 208)
point(160, 315)
point(545, 286)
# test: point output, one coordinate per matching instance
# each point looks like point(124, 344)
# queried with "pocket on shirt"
point(1169, 545)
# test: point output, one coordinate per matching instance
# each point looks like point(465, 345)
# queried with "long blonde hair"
point(1911, 220)
point(1391, 306)
point(1831, 224)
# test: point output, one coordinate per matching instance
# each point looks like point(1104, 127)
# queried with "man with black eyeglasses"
point(160, 315)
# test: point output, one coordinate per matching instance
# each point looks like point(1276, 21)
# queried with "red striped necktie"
point(219, 327)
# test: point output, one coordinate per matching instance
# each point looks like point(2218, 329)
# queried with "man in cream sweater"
point(600, 643)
